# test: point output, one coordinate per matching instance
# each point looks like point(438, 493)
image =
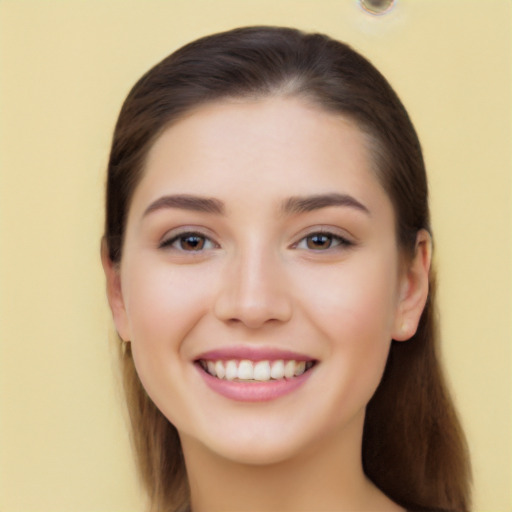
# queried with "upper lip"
point(252, 354)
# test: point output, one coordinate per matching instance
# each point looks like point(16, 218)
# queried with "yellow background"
point(65, 68)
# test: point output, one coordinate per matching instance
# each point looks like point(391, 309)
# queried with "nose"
point(254, 291)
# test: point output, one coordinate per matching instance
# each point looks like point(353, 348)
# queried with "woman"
point(267, 252)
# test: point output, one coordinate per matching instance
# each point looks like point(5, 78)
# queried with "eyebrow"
point(186, 202)
point(293, 205)
point(310, 203)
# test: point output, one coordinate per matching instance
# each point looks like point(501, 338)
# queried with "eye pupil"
point(192, 243)
point(319, 241)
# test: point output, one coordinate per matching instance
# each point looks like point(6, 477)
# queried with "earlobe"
point(114, 293)
point(414, 289)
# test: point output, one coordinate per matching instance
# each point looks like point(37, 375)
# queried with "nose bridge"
point(255, 290)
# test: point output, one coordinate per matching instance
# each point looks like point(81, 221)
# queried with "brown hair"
point(413, 446)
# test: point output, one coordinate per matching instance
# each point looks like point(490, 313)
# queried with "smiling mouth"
point(246, 370)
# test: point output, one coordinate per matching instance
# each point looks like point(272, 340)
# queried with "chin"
point(263, 443)
point(258, 452)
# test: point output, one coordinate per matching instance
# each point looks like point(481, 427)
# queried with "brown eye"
point(191, 242)
point(319, 241)
point(188, 242)
point(323, 241)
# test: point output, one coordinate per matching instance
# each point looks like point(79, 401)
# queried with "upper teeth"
point(255, 370)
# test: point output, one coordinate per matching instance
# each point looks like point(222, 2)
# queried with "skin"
point(260, 280)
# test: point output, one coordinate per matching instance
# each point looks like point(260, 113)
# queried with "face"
point(260, 284)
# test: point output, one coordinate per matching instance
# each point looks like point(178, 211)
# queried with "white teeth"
point(300, 368)
point(220, 371)
point(210, 366)
point(277, 370)
point(246, 370)
point(289, 369)
point(231, 370)
point(262, 371)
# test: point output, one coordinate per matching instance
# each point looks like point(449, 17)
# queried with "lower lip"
point(254, 391)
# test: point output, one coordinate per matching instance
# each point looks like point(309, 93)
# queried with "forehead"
point(269, 147)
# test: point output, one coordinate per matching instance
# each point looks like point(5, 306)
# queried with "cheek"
point(164, 303)
point(355, 313)
point(360, 297)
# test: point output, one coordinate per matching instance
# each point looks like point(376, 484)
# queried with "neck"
point(328, 476)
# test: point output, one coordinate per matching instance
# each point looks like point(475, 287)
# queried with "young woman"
point(267, 252)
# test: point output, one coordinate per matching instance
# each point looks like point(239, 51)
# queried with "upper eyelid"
point(174, 234)
point(342, 241)
point(326, 230)
point(187, 230)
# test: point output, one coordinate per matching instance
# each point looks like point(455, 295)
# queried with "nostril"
point(252, 311)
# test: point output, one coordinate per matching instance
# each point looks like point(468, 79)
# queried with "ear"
point(115, 294)
point(414, 287)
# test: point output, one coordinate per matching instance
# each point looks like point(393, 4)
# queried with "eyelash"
point(339, 241)
point(181, 237)
point(331, 238)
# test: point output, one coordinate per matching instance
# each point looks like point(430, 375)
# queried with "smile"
point(246, 370)
point(254, 374)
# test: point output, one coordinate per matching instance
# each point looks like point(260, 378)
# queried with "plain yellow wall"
point(65, 67)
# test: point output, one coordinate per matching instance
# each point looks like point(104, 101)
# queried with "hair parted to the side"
point(414, 449)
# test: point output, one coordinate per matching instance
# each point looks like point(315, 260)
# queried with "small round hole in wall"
point(377, 7)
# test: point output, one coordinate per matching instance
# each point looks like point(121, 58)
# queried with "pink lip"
point(252, 353)
point(253, 391)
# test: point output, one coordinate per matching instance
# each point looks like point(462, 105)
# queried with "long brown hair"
point(414, 449)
